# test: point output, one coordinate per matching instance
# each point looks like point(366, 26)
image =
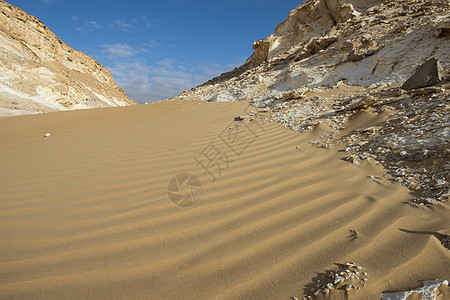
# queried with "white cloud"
point(145, 21)
point(131, 24)
point(141, 84)
point(93, 25)
point(88, 25)
point(49, 1)
point(144, 83)
point(152, 44)
point(160, 80)
point(118, 50)
point(122, 25)
point(168, 63)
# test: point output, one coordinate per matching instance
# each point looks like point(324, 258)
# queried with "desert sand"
point(85, 213)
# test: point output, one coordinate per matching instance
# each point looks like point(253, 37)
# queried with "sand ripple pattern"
point(85, 214)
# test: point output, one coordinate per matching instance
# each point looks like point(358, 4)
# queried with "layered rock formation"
point(40, 73)
point(307, 21)
point(360, 42)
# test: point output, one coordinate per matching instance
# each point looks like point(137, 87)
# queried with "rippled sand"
point(85, 212)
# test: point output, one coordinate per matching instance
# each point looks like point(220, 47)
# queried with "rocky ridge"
point(333, 60)
point(40, 73)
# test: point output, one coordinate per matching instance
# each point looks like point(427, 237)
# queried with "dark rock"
point(429, 73)
point(370, 52)
point(353, 56)
point(442, 29)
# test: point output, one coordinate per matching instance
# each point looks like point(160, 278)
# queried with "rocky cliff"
point(323, 42)
point(40, 73)
point(382, 62)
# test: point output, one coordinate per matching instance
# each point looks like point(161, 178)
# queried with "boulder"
point(354, 56)
point(427, 74)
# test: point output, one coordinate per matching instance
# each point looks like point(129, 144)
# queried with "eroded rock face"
point(368, 43)
point(323, 67)
point(40, 73)
point(313, 19)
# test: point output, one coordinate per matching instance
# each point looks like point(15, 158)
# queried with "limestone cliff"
point(322, 42)
point(40, 73)
point(311, 20)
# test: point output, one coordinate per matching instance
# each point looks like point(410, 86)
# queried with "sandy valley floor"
point(85, 213)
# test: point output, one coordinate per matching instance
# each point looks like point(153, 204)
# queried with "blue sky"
point(157, 49)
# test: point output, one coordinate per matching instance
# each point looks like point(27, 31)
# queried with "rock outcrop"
point(361, 42)
point(332, 59)
point(40, 73)
point(308, 21)
point(428, 291)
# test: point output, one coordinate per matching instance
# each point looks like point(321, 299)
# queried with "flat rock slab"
point(429, 73)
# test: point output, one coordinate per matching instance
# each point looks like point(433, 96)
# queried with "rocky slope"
point(333, 59)
point(40, 73)
point(371, 76)
point(368, 43)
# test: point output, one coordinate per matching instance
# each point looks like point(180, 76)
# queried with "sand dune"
point(85, 213)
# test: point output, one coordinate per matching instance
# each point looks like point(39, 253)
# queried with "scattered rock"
point(343, 278)
point(427, 291)
point(445, 241)
point(47, 135)
point(427, 74)
point(362, 103)
point(375, 178)
point(353, 234)
point(353, 159)
point(370, 52)
point(354, 56)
